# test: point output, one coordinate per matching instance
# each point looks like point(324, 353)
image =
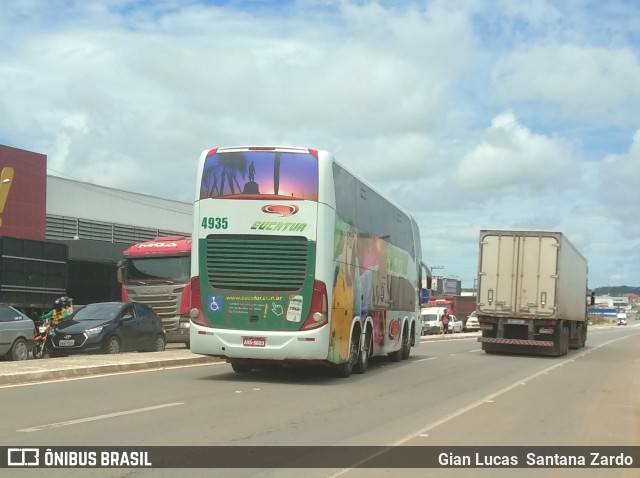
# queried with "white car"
point(472, 322)
point(455, 325)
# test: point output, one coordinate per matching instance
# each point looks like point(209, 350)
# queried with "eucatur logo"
point(281, 209)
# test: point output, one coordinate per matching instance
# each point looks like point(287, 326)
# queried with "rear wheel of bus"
point(344, 370)
point(407, 338)
point(365, 353)
point(241, 366)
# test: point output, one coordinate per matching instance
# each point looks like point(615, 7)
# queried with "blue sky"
point(471, 114)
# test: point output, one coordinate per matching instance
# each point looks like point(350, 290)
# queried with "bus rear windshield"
point(251, 174)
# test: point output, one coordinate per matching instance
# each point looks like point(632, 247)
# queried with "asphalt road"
point(448, 393)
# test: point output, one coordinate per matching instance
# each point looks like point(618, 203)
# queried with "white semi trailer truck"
point(532, 293)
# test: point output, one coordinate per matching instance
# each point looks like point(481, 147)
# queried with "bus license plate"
point(66, 343)
point(515, 321)
point(254, 341)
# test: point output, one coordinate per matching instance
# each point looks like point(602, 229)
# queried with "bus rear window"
point(251, 174)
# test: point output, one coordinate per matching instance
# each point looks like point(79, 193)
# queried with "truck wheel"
point(561, 343)
point(489, 349)
point(19, 350)
point(557, 344)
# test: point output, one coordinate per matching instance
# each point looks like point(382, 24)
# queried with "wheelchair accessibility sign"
point(214, 303)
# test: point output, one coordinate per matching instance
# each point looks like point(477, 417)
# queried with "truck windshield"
point(164, 270)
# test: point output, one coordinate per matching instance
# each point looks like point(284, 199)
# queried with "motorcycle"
point(42, 332)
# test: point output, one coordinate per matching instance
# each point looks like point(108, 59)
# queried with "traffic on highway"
point(474, 400)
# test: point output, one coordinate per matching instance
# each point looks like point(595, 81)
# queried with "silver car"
point(17, 333)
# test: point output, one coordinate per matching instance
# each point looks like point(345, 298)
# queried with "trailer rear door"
point(517, 274)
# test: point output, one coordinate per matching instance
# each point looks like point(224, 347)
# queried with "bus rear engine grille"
point(257, 262)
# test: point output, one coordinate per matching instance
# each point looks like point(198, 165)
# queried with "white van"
point(622, 318)
point(432, 320)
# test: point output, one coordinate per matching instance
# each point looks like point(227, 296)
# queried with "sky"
point(470, 114)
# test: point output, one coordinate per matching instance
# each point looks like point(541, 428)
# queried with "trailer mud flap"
point(531, 343)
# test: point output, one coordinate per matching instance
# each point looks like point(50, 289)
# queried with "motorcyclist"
point(57, 314)
point(67, 303)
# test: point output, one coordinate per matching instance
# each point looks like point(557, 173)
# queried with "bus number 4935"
point(214, 223)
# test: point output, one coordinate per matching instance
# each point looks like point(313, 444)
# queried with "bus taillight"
point(319, 304)
point(196, 314)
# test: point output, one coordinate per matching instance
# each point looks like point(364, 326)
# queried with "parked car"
point(109, 327)
point(17, 333)
point(472, 322)
point(455, 325)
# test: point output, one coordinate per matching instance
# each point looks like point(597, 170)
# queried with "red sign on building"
point(23, 193)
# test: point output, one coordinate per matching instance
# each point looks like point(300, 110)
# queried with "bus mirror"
point(424, 296)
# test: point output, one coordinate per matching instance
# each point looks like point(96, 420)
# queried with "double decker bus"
point(296, 259)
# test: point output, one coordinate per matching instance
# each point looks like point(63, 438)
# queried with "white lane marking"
point(99, 417)
point(425, 359)
point(423, 432)
point(109, 374)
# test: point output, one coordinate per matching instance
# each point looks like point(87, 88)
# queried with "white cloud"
point(620, 177)
point(512, 160)
point(538, 13)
